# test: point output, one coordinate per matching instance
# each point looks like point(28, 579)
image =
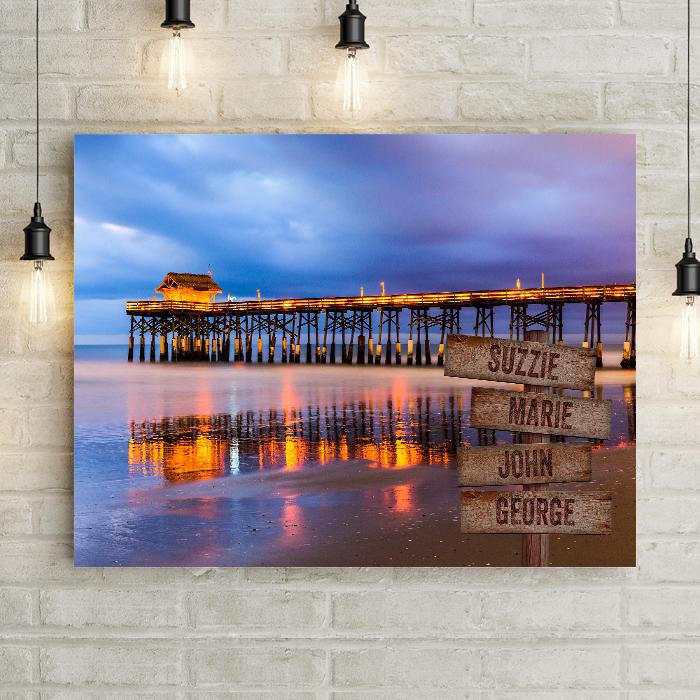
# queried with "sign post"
point(533, 461)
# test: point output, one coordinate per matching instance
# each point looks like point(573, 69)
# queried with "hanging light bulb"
point(37, 294)
point(352, 40)
point(688, 267)
point(689, 330)
point(688, 286)
point(177, 18)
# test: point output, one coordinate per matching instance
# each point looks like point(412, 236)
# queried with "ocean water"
point(244, 465)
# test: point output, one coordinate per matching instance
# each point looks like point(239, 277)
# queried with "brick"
point(404, 667)
point(358, 668)
point(645, 102)
point(551, 668)
point(544, 14)
point(243, 608)
point(273, 15)
point(398, 100)
point(669, 562)
point(480, 55)
point(668, 515)
point(85, 608)
point(68, 56)
point(280, 99)
point(15, 517)
point(12, 429)
point(258, 668)
point(669, 608)
point(31, 562)
point(539, 102)
point(664, 664)
point(649, 15)
point(218, 58)
point(661, 149)
point(49, 427)
point(29, 472)
point(611, 55)
point(397, 13)
point(55, 515)
point(552, 612)
point(15, 607)
point(15, 664)
point(144, 103)
point(110, 664)
point(676, 469)
point(427, 613)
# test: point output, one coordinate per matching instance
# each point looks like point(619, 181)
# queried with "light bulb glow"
point(40, 295)
point(352, 97)
point(177, 63)
point(689, 329)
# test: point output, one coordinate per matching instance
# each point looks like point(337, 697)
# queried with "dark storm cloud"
point(318, 215)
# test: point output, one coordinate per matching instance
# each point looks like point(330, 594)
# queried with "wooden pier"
point(189, 325)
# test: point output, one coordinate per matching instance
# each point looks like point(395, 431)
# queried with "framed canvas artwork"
point(355, 350)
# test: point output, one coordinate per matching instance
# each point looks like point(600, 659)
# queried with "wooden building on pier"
point(185, 286)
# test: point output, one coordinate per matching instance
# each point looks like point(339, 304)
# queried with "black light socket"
point(688, 273)
point(177, 15)
point(352, 28)
point(37, 245)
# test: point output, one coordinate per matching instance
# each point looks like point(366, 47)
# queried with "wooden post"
point(142, 347)
point(388, 336)
point(370, 343)
point(428, 360)
point(398, 338)
point(535, 550)
point(131, 341)
point(441, 347)
point(409, 348)
point(419, 351)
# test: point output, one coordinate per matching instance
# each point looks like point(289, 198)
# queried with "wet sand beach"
point(303, 466)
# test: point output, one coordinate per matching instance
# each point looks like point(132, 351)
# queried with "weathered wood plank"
point(522, 362)
point(537, 512)
point(534, 463)
point(528, 412)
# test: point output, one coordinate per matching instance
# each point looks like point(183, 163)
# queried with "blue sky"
point(309, 215)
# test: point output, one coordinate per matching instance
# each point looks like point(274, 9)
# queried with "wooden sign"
point(548, 414)
point(537, 512)
point(532, 463)
point(521, 362)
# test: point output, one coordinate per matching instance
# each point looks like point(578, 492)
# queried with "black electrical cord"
point(37, 100)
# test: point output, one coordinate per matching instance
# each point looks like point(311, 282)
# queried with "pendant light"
point(688, 267)
point(352, 40)
point(177, 18)
point(37, 289)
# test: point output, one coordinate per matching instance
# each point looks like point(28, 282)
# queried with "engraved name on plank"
point(532, 463)
point(529, 412)
point(520, 362)
point(537, 512)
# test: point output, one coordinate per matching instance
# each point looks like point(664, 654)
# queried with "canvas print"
point(355, 350)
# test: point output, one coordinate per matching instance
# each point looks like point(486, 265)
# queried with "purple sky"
point(318, 215)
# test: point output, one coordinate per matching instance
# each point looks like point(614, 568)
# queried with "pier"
point(189, 325)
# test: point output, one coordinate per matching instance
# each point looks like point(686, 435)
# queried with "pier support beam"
point(629, 349)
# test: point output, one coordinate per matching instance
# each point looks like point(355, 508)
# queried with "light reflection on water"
point(421, 431)
point(199, 465)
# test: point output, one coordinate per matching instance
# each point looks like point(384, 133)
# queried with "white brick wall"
point(438, 65)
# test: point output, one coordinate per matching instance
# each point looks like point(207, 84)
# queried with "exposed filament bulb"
point(40, 292)
point(689, 329)
point(177, 64)
point(352, 99)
